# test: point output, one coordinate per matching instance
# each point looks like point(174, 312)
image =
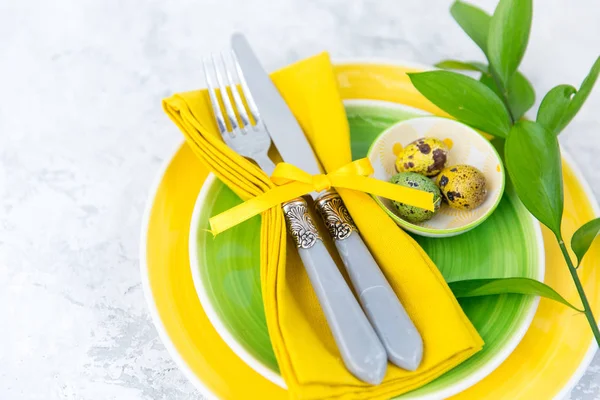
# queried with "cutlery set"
point(368, 336)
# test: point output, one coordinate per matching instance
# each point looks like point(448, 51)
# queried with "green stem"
point(586, 305)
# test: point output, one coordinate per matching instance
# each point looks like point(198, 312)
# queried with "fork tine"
point(225, 96)
point(239, 104)
point(246, 91)
point(213, 100)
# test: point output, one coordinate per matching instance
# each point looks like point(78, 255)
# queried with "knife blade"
point(398, 334)
point(277, 116)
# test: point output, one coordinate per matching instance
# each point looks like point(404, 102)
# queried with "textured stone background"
point(82, 136)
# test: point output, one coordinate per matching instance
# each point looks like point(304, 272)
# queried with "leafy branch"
point(496, 104)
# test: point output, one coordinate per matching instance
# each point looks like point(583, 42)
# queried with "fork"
point(250, 141)
point(358, 343)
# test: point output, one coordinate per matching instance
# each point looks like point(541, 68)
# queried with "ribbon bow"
point(293, 182)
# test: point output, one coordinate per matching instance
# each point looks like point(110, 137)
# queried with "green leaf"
point(488, 80)
point(582, 239)
point(463, 66)
point(508, 37)
point(485, 287)
point(465, 98)
point(577, 101)
point(474, 21)
point(499, 144)
point(521, 95)
point(554, 106)
point(534, 166)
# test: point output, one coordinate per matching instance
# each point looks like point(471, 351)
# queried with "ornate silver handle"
point(359, 345)
point(396, 331)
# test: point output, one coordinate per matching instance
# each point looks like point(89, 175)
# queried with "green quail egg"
point(420, 182)
point(463, 186)
point(426, 156)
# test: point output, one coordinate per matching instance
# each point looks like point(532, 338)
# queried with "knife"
point(398, 334)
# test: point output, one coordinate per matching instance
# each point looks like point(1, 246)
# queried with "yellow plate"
point(547, 363)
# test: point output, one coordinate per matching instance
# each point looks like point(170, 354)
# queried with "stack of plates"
point(205, 298)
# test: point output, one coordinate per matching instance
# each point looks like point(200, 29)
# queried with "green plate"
point(508, 244)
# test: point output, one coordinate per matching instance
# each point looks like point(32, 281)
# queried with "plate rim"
point(257, 365)
point(177, 145)
point(145, 277)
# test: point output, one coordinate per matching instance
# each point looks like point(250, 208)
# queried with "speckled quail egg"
point(463, 186)
point(420, 182)
point(426, 156)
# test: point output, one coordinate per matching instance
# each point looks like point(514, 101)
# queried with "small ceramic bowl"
point(467, 146)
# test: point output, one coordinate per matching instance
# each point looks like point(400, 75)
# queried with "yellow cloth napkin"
point(307, 355)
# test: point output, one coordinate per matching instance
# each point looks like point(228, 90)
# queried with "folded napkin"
point(306, 352)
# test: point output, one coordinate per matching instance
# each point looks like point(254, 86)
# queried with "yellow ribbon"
point(293, 182)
